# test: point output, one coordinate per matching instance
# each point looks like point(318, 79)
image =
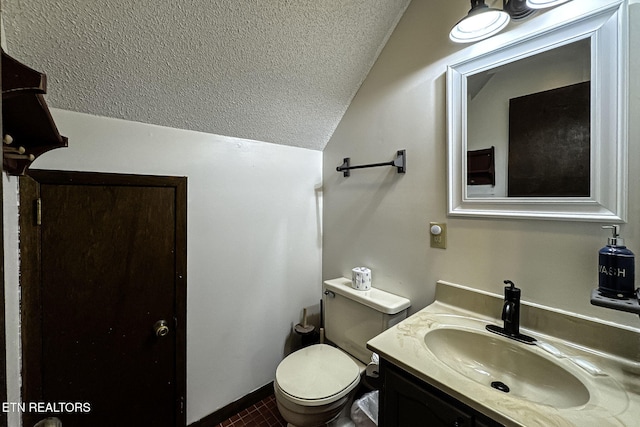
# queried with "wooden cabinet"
point(481, 167)
point(28, 129)
point(406, 401)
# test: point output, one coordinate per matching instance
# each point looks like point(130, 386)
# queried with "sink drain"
point(499, 385)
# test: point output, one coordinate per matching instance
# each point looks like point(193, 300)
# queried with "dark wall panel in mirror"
point(549, 143)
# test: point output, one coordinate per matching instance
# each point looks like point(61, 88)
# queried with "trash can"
point(364, 411)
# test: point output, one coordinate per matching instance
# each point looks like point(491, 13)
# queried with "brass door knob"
point(161, 328)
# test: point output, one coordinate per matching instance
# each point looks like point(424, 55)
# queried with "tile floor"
point(262, 414)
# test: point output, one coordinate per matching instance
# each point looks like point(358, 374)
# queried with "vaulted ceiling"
point(280, 71)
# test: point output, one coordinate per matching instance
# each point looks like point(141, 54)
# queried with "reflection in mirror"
point(537, 123)
point(535, 112)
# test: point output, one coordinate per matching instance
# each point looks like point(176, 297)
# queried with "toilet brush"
point(304, 328)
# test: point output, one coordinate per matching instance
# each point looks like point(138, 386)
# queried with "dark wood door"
point(111, 263)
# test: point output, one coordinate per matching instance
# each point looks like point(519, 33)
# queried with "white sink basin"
point(506, 366)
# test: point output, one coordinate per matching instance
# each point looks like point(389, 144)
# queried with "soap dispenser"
point(616, 267)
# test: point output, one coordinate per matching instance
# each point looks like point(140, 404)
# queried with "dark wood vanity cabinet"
point(406, 401)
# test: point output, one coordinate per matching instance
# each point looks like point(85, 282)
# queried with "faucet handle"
point(511, 293)
point(509, 282)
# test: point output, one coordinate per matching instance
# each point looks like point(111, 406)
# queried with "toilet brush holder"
point(306, 331)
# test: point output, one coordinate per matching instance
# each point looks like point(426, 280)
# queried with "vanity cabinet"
point(406, 401)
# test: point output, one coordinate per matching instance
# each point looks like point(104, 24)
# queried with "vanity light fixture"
point(483, 21)
point(480, 23)
point(542, 4)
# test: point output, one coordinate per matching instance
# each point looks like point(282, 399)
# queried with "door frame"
point(30, 273)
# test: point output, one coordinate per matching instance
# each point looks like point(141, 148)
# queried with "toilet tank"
point(352, 317)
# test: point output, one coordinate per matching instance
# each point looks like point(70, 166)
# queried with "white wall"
point(253, 241)
point(380, 219)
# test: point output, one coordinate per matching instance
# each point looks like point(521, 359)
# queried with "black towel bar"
point(400, 162)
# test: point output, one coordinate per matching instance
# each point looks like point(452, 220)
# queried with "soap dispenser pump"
point(616, 267)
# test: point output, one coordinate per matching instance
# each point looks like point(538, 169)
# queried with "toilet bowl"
point(313, 385)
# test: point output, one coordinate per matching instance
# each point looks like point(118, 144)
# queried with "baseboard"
point(222, 414)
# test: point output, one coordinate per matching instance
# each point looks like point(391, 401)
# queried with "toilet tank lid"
point(377, 299)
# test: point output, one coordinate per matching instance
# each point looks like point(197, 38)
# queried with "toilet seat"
point(317, 375)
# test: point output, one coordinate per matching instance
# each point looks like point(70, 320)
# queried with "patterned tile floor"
point(262, 414)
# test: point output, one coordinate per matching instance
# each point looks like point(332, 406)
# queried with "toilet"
point(314, 384)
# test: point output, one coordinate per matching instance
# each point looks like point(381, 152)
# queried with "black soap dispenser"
point(616, 267)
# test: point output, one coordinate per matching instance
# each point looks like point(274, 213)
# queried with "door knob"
point(161, 328)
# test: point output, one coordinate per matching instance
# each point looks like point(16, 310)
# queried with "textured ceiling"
point(281, 71)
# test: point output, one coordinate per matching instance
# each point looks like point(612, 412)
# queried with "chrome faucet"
point(511, 315)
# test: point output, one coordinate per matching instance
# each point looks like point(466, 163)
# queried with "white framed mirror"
point(547, 113)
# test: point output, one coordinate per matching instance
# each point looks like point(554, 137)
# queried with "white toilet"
point(314, 384)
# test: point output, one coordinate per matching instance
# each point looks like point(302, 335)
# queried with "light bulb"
point(479, 25)
point(542, 4)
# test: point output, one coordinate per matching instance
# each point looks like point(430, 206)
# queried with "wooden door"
point(103, 260)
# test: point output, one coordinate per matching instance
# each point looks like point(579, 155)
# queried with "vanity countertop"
point(614, 391)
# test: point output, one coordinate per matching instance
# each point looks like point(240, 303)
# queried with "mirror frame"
point(605, 23)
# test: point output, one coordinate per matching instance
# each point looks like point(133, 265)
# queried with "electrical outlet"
point(438, 232)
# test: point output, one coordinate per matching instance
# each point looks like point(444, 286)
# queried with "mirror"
point(537, 128)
